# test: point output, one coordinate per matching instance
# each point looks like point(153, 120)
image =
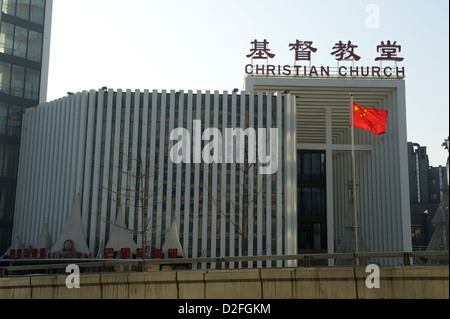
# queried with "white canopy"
point(120, 236)
point(173, 241)
point(73, 231)
point(16, 244)
point(44, 240)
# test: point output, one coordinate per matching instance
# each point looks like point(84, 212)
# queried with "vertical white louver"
point(100, 144)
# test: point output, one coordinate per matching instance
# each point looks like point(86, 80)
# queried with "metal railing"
point(52, 266)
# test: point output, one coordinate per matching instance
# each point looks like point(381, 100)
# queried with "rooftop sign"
point(303, 50)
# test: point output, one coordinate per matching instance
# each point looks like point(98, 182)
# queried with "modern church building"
point(265, 171)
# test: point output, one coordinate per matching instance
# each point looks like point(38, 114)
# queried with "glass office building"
point(24, 59)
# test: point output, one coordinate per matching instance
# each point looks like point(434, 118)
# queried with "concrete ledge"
point(152, 285)
point(90, 288)
point(114, 285)
point(406, 282)
point(191, 284)
point(15, 288)
point(277, 283)
point(324, 283)
point(233, 284)
point(45, 287)
point(396, 282)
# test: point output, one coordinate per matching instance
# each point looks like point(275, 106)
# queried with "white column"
point(162, 135)
point(187, 191)
point(233, 204)
point(61, 216)
point(96, 178)
point(71, 151)
point(143, 169)
point(134, 162)
point(38, 209)
point(153, 173)
point(88, 161)
point(268, 182)
point(259, 178)
point(214, 207)
point(400, 107)
point(179, 166)
point(251, 182)
point(106, 164)
point(196, 218)
point(168, 217)
point(206, 187)
point(115, 202)
point(76, 109)
point(281, 108)
point(242, 182)
point(65, 206)
point(223, 187)
point(329, 183)
point(125, 185)
point(291, 179)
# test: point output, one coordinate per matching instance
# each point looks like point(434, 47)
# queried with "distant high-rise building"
point(425, 181)
point(426, 185)
point(25, 27)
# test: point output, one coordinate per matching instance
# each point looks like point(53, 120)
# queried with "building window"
point(34, 46)
point(14, 120)
point(9, 160)
point(17, 80)
point(23, 9)
point(9, 7)
point(3, 117)
point(6, 202)
point(6, 38)
point(416, 231)
point(37, 11)
point(20, 42)
point(32, 84)
point(5, 77)
point(311, 197)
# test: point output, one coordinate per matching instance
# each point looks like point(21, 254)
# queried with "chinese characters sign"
point(342, 51)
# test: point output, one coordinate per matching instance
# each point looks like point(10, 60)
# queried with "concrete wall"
point(396, 282)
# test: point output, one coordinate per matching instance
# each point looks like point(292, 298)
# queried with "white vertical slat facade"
point(381, 161)
point(105, 145)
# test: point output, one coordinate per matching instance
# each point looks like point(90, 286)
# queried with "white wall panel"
point(153, 173)
point(162, 150)
point(134, 161)
point(96, 186)
point(105, 188)
point(91, 143)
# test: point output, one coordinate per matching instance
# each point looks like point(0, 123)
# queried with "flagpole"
point(354, 178)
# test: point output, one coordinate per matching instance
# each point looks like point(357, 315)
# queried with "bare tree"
point(247, 198)
point(140, 195)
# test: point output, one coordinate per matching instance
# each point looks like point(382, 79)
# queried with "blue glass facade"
point(22, 24)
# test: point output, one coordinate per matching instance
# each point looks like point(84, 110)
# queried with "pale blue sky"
point(201, 45)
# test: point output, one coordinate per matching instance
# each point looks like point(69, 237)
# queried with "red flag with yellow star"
point(369, 119)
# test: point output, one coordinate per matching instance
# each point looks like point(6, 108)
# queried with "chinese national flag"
point(369, 119)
